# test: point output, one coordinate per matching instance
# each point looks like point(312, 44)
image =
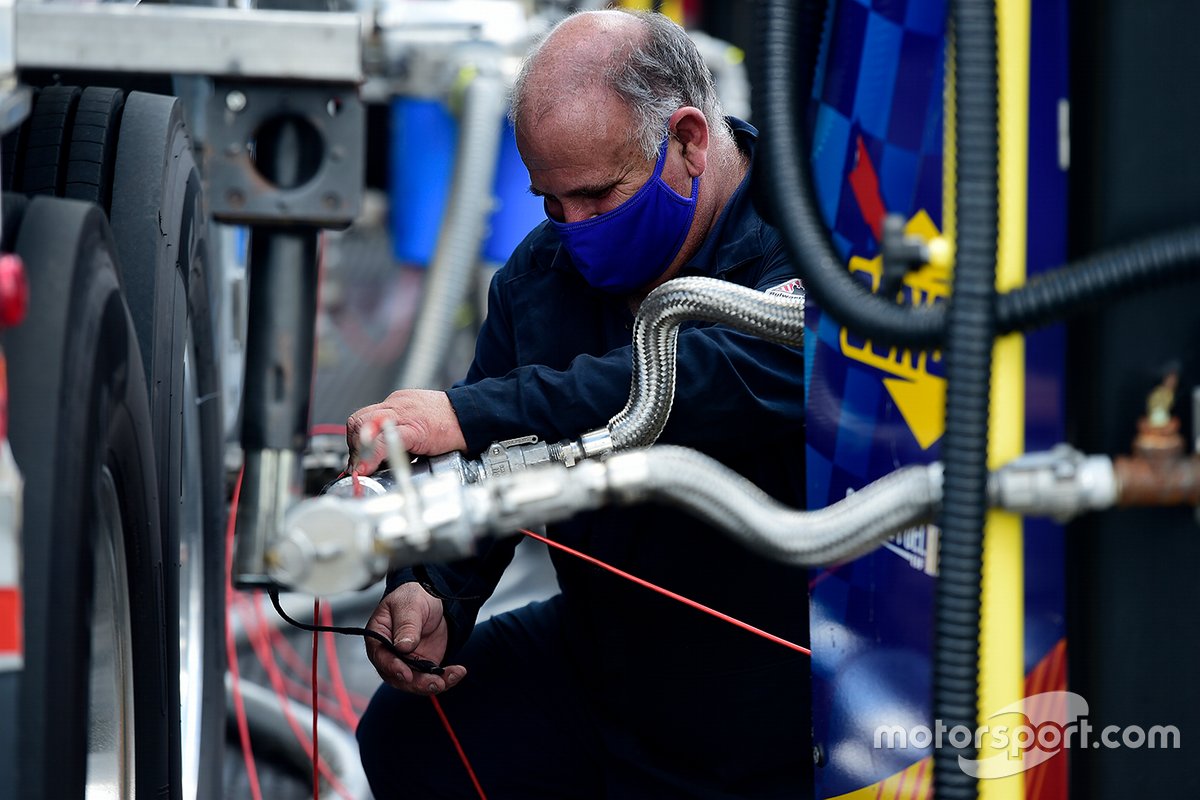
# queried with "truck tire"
point(159, 223)
point(131, 154)
point(94, 708)
point(44, 158)
point(92, 155)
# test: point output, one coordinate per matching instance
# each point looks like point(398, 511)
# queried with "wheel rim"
point(191, 584)
point(110, 766)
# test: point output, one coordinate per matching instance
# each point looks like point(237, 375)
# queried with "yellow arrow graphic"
point(922, 403)
point(919, 395)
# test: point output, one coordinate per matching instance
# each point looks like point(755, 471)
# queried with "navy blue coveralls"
point(609, 690)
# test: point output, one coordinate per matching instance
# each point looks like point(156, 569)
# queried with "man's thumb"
point(406, 636)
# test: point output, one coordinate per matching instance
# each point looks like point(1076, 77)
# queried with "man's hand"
point(413, 620)
point(425, 419)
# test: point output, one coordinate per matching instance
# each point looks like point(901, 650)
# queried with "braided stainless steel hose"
point(711, 491)
point(656, 331)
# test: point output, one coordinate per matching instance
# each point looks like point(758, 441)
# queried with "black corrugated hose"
point(969, 326)
point(968, 323)
point(970, 331)
point(789, 188)
point(784, 69)
point(1076, 286)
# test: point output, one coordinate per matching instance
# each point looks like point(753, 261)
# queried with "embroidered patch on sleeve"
point(789, 288)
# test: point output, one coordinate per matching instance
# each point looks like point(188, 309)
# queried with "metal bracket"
point(330, 117)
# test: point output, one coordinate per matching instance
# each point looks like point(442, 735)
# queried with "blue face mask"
point(632, 245)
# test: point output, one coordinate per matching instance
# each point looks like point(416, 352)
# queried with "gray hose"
point(463, 229)
point(716, 494)
point(776, 319)
point(270, 732)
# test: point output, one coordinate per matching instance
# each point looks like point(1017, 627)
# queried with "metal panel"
point(287, 45)
point(1132, 588)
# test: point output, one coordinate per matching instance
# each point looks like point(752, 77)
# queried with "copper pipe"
point(1157, 481)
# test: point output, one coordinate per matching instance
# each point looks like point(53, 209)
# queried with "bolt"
point(332, 201)
point(236, 198)
point(235, 101)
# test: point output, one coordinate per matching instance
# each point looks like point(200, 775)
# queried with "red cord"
point(297, 680)
point(335, 672)
point(231, 650)
point(316, 701)
point(275, 676)
point(668, 593)
point(640, 582)
point(462, 754)
point(299, 689)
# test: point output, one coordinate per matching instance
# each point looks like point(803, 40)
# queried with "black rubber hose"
point(974, 317)
point(970, 330)
point(792, 199)
point(808, 20)
point(1076, 286)
point(786, 62)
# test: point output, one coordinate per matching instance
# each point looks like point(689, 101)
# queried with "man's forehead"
point(579, 109)
point(578, 133)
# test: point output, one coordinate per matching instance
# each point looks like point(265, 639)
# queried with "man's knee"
point(405, 751)
point(391, 735)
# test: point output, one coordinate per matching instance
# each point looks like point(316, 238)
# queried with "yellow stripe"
point(949, 148)
point(670, 8)
point(1001, 657)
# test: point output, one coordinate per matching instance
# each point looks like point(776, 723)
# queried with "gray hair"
point(655, 75)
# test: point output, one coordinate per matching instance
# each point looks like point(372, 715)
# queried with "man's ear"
point(691, 131)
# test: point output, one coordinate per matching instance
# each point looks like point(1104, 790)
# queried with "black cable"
point(970, 331)
point(792, 197)
point(419, 664)
point(1075, 287)
point(787, 55)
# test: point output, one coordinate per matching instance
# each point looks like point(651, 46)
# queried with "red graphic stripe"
point(865, 183)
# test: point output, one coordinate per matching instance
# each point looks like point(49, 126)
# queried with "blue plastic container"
point(424, 138)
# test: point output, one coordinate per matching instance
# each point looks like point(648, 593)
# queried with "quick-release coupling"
point(334, 543)
point(1061, 483)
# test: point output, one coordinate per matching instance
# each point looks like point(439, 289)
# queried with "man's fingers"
point(365, 456)
point(454, 674)
point(392, 670)
point(436, 684)
point(399, 675)
point(367, 462)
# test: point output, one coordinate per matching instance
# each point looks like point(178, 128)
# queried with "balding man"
point(607, 690)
